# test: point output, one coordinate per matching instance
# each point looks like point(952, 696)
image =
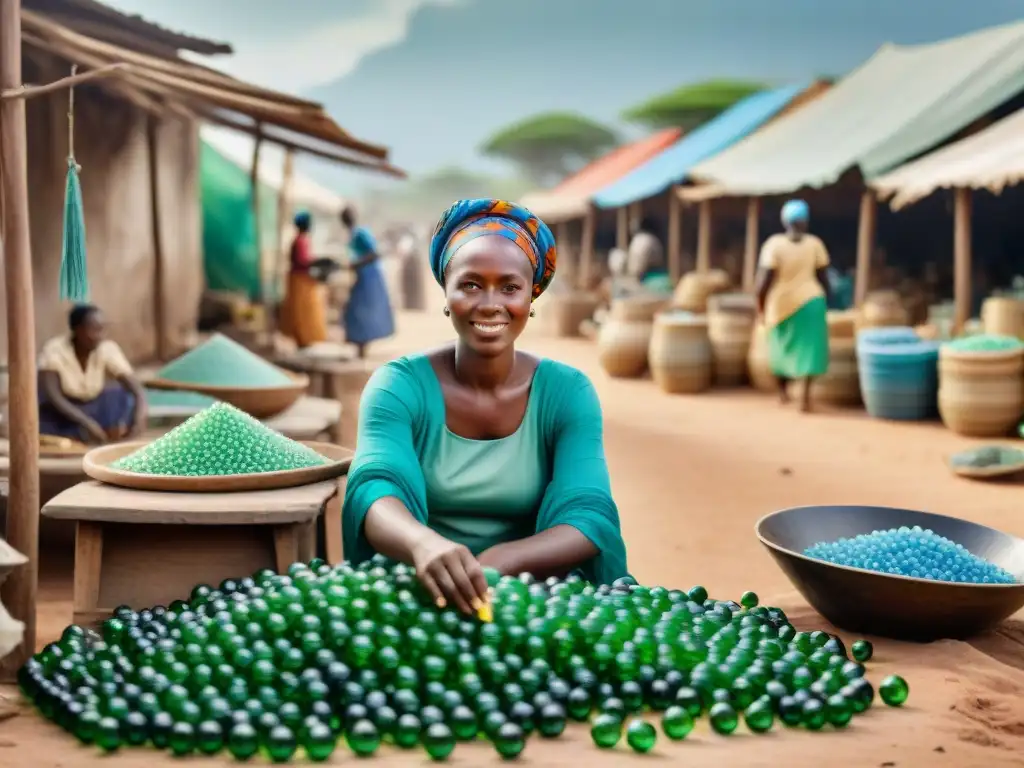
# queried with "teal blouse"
point(551, 471)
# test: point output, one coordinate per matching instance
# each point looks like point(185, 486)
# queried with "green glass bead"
point(438, 741)
point(135, 729)
point(676, 722)
point(894, 691)
point(790, 711)
point(209, 737)
point(578, 704)
point(838, 710)
point(724, 719)
point(281, 744)
point(813, 715)
point(606, 730)
point(182, 739)
point(406, 733)
point(318, 742)
point(690, 700)
point(243, 741)
point(86, 726)
point(509, 740)
point(698, 594)
point(641, 735)
point(862, 650)
point(363, 738)
point(463, 723)
point(493, 577)
point(108, 734)
point(551, 721)
point(749, 600)
point(759, 717)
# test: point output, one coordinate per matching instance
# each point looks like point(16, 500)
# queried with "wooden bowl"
point(259, 402)
point(96, 464)
point(899, 607)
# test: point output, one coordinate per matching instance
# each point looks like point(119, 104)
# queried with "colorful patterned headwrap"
point(794, 211)
point(467, 220)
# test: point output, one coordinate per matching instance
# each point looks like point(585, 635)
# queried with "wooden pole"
point(622, 228)
point(962, 204)
point(159, 299)
point(753, 240)
point(865, 245)
point(284, 204)
point(565, 251)
point(675, 235)
point(254, 177)
point(704, 237)
point(19, 590)
point(587, 249)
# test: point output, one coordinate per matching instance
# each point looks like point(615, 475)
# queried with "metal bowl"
point(880, 604)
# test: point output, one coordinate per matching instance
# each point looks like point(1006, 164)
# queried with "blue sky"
point(433, 78)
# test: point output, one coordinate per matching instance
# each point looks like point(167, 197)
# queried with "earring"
point(533, 313)
point(447, 312)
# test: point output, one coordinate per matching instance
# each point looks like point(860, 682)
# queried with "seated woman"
point(86, 388)
point(476, 454)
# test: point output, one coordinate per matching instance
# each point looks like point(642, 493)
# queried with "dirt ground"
point(691, 475)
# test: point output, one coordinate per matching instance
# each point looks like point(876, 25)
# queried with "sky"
point(432, 79)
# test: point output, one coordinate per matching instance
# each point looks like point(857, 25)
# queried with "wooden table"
point(335, 379)
point(146, 548)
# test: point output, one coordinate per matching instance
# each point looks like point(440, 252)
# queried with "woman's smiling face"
point(489, 290)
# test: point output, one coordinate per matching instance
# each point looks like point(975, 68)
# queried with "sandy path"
point(691, 475)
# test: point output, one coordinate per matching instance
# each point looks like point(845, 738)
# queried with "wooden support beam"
point(704, 237)
point(20, 588)
point(674, 256)
point(284, 225)
point(752, 243)
point(565, 251)
point(254, 178)
point(622, 228)
point(866, 234)
point(962, 257)
point(156, 214)
point(587, 249)
point(28, 91)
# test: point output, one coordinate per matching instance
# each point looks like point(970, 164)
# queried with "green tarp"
point(230, 259)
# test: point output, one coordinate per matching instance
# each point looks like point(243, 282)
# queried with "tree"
point(549, 146)
point(691, 105)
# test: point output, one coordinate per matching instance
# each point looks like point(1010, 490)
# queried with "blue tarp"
point(671, 166)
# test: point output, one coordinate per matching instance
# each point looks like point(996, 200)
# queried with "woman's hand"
point(94, 432)
point(450, 573)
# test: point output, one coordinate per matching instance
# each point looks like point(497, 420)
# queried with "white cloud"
point(322, 54)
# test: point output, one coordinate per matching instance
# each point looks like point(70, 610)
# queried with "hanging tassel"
point(74, 277)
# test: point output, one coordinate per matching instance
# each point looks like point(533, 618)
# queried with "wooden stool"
point(146, 548)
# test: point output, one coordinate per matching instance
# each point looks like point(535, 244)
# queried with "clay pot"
point(625, 335)
point(981, 394)
point(680, 353)
point(1003, 316)
point(758, 366)
point(731, 319)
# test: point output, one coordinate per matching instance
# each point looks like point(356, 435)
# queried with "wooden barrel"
point(842, 323)
point(625, 335)
point(981, 394)
point(840, 385)
point(680, 353)
point(1003, 316)
point(882, 309)
point(759, 367)
point(731, 319)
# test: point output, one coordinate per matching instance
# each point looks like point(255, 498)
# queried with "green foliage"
point(550, 145)
point(691, 105)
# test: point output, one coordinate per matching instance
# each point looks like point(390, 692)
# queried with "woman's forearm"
point(554, 552)
point(392, 530)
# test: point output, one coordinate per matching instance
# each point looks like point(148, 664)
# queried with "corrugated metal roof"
point(901, 102)
point(990, 159)
point(571, 197)
point(673, 164)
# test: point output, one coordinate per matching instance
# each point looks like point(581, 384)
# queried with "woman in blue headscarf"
point(368, 315)
point(792, 289)
point(477, 454)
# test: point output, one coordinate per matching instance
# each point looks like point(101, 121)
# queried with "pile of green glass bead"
point(277, 663)
point(220, 440)
point(985, 342)
point(223, 362)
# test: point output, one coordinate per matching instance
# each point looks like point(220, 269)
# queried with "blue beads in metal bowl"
point(915, 552)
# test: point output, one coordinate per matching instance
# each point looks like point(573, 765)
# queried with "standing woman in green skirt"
point(792, 289)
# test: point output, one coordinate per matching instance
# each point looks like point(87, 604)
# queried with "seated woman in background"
point(87, 391)
point(476, 454)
